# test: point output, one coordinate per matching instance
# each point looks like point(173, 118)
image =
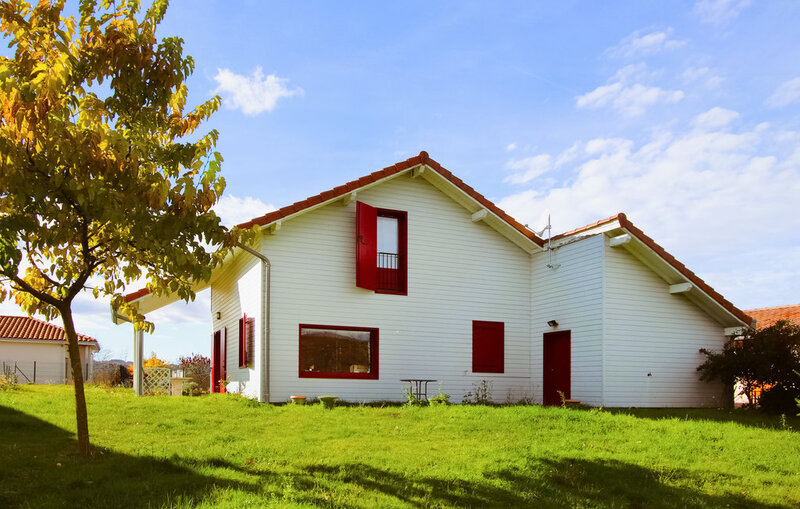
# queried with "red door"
point(216, 362)
point(556, 366)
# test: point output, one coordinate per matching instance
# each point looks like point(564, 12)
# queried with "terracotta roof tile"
point(25, 327)
point(766, 317)
point(421, 158)
point(615, 217)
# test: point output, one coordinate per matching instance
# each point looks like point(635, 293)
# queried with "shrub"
point(441, 399)
point(411, 398)
point(8, 381)
point(765, 358)
point(198, 368)
point(111, 375)
point(778, 400)
point(328, 401)
point(481, 394)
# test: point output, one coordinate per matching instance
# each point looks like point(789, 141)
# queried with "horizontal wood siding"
point(235, 292)
point(458, 271)
point(649, 330)
point(571, 295)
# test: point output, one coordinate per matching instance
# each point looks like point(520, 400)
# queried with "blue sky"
point(684, 115)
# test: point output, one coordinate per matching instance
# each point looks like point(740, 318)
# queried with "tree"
point(103, 180)
point(765, 358)
point(154, 362)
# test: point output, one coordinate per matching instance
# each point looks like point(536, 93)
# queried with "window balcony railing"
point(389, 277)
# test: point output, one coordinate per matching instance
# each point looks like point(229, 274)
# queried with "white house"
point(409, 273)
point(36, 351)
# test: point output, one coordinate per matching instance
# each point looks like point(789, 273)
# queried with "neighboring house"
point(410, 273)
point(767, 317)
point(37, 351)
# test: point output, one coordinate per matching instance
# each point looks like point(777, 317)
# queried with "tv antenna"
point(548, 229)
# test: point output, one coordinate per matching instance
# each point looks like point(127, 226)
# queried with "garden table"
point(418, 390)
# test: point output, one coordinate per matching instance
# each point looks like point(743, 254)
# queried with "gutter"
point(263, 395)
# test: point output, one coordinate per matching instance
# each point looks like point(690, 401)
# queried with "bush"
point(778, 400)
point(766, 358)
point(198, 368)
point(109, 374)
point(8, 381)
point(481, 394)
point(328, 401)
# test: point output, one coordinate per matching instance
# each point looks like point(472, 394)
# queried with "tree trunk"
point(84, 447)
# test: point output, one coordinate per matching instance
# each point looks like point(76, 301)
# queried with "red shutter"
point(366, 246)
point(216, 365)
point(224, 356)
point(243, 341)
point(488, 347)
point(251, 338)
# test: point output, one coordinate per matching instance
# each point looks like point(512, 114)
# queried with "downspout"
point(263, 396)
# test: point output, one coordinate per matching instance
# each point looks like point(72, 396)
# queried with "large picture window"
point(328, 351)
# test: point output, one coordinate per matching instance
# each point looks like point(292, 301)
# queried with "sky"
point(683, 115)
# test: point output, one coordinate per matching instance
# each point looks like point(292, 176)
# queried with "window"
point(487, 347)
point(247, 328)
point(381, 249)
point(338, 352)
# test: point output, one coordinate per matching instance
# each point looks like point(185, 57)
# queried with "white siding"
point(458, 271)
point(572, 295)
point(237, 291)
point(51, 360)
point(649, 330)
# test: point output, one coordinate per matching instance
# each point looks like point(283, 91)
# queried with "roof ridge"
point(15, 327)
point(348, 187)
point(774, 307)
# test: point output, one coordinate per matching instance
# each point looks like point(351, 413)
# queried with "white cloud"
point(701, 193)
point(645, 43)
point(252, 94)
point(233, 210)
point(715, 118)
point(719, 11)
point(701, 75)
point(631, 99)
point(528, 168)
point(511, 147)
point(787, 93)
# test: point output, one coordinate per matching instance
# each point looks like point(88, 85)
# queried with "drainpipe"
point(265, 282)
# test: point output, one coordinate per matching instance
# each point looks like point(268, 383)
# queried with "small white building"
point(409, 273)
point(36, 351)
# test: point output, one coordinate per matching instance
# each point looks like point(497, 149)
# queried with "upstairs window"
point(381, 249)
point(338, 352)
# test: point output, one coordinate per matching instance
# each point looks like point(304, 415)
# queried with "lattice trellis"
point(156, 380)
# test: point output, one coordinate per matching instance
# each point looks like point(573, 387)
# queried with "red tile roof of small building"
point(25, 327)
point(767, 317)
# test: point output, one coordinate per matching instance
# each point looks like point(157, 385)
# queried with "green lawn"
point(227, 451)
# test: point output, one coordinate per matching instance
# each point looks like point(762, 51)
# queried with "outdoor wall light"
point(552, 323)
point(219, 315)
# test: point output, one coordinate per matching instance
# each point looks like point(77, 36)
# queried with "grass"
point(225, 451)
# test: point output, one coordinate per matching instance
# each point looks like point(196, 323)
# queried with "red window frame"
point(488, 347)
point(373, 353)
point(368, 274)
point(401, 288)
